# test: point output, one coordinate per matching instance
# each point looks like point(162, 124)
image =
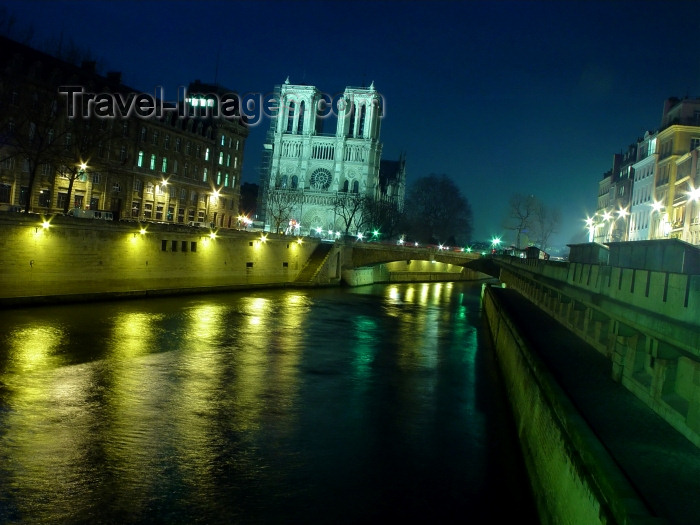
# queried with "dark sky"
point(504, 97)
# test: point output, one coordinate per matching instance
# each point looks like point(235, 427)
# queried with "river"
point(378, 404)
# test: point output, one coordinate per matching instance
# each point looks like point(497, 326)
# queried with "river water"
point(378, 404)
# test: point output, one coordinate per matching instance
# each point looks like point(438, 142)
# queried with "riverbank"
point(595, 452)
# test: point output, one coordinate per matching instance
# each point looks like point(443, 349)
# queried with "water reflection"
point(239, 408)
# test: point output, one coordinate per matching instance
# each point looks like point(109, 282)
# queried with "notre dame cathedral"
point(322, 184)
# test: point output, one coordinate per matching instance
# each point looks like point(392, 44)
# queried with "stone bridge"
point(370, 254)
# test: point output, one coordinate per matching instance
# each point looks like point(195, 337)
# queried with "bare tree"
point(281, 204)
point(351, 209)
point(546, 223)
point(386, 217)
point(521, 212)
point(437, 211)
point(85, 141)
point(33, 136)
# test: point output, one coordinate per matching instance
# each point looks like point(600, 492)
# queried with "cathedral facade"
point(311, 180)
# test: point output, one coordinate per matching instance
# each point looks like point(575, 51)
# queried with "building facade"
point(676, 176)
point(614, 195)
point(652, 191)
point(179, 165)
point(643, 195)
point(320, 183)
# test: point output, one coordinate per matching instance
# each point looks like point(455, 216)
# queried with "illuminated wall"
point(70, 256)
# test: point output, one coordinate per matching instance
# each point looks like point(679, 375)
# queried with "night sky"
point(504, 97)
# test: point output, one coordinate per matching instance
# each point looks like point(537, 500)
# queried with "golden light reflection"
point(133, 334)
point(32, 346)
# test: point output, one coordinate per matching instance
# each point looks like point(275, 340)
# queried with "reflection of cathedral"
point(307, 170)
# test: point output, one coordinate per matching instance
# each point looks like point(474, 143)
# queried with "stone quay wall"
point(646, 322)
point(74, 260)
point(573, 478)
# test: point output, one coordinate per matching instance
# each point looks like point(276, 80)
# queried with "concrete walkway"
point(660, 463)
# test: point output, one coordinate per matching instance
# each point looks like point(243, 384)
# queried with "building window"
point(218, 178)
point(178, 142)
point(62, 199)
point(186, 170)
point(228, 160)
point(122, 154)
point(300, 124)
point(166, 142)
point(164, 245)
point(94, 203)
point(164, 165)
point(190, 215)
point(184, 246)
point(5, 192)
point(159, 212)
point(188, 148)
point(138, 185)
point(290, 117)
point(125, 129)
point(193, 246)
point(143, 134)
point(154, 138)
point(44, 198)
point(226, 180)
point(175, 167)
point(181, 215)
point(116, 187)
point(206, 154)
point(95, 177)
point(135, 208)
point(153, 162)
point(139, 162)
point(221, 158)
point(78, 201)
point(363, 115)
point(148, 210)
point(223, 140)
point(320, 179)
point(204, 175)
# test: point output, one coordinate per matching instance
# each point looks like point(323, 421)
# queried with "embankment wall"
point(573, 478)
point(69, 260)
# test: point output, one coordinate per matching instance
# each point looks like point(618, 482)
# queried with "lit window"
point(206, 154)
point(223, 140)
point(204, 175)
point(139, 162)
point(153, 161)
point(221, 158)
point(164, 165)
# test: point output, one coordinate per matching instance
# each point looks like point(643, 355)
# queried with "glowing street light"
point(694, 194)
